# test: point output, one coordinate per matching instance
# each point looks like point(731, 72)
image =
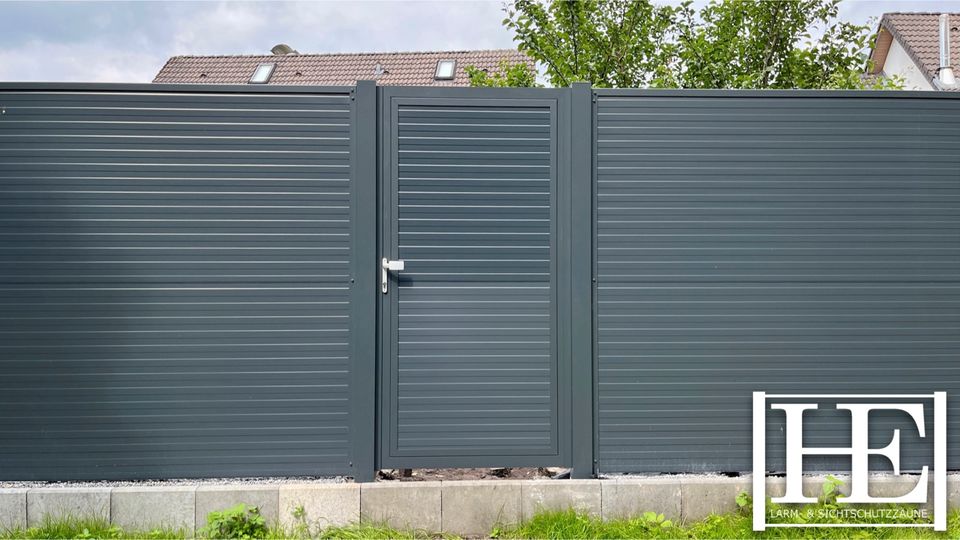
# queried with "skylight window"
point(262, 74)
point(445, 70)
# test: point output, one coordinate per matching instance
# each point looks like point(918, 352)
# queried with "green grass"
point(96, 529)
point(574, 525)
point(547, 525)
point(87, 529)
point(350, 532)
point(303, 530)
point(738, 526)
point(376, 532)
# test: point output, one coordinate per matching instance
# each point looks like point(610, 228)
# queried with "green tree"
point(610, 43)
point(725, 44)
point(512, 75)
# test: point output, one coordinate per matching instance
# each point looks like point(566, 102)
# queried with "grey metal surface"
point(189, 280)
point(471, 376)
point(581, 225)
point(786, 242)
point(363, 302)
point(174, 281)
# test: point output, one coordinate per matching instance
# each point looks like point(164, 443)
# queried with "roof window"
point(262, 74)
point(445, 70)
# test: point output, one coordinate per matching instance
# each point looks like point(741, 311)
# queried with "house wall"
point(899, 63)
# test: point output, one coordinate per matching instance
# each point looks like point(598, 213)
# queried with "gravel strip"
point(678, 476)
point(180, 482)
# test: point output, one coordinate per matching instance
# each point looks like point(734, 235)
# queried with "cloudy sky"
point(126, 41)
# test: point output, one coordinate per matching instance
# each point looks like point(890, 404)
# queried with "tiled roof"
point(399, 68)
point(919, 34)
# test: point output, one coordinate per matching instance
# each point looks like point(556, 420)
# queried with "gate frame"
point(573, 310)
point(363, 279)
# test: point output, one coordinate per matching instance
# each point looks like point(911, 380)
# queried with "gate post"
point(363, 282)
point(581, 271)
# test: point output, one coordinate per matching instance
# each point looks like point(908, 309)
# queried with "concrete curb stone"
point(215, 498)
point(325, 505)
point(475, 507)
point(701, 497)
point(147, 508)
point(459, 507)
point(626, 497)
point(400, 506)
point(580, 495)
point(55, 503)
point(13, 508)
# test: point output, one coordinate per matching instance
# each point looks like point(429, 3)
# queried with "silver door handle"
point(386, 265)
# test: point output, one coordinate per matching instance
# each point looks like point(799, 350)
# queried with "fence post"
point(581, 167)
point(363, 298)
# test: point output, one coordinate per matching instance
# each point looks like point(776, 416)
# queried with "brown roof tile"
point(919, 34)
point(400, 68)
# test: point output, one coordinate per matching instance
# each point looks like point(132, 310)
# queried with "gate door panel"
point(470, 371)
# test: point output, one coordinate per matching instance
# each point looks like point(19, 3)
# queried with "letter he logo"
point(859, 452)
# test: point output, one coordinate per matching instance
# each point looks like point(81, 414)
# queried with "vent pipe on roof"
point(945, 77)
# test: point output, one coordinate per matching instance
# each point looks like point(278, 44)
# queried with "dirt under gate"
point(502, 473)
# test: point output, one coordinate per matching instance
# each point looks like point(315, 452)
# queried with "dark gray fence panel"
point(785, 242)
point(473, 376)
point(179, 289)
point(174, 282)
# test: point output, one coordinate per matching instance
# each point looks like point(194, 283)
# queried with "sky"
point(128, 41)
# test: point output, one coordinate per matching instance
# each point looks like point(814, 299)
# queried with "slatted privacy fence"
point(175, 291)
point(191, 282)
point(786, 242)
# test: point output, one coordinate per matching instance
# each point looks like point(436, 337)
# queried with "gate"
point(471, 372)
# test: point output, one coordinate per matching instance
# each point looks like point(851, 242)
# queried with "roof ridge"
point(344, 54)
point(401, 68)
point(921, 13)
